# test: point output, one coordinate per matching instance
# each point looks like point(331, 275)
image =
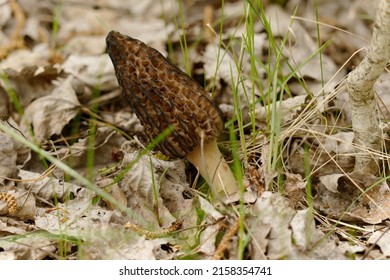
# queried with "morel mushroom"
point(163, 96)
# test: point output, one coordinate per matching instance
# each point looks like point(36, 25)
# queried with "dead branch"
point(361, 93)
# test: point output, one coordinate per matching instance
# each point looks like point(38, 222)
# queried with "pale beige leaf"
point(49, 114)
point(94, 71)
point(331, 182)
point(114, 190)
point(287, 110)
point(382, 239)
point(31, 82)
point(46, 187)
point(33, 247)
point(107, 142)
point(146, 178)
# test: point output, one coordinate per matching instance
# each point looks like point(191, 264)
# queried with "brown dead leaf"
point(280, 232)
point(295, 188)
point(329, 154)
point(342, 197)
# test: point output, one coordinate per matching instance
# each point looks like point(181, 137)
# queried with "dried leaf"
point(346, 201)
point(46, 187)
point(33, 247)
point(143, 181)
point(95, 72)
point(49, 114)
point(382, 239)
point(107, 141)
point(280, 232)
point(286, 109)
point(301, 49)
point(112, 242)
point(32, 82)
point(114, 190)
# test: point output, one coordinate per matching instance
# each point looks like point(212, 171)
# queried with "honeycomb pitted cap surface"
point(161, 95)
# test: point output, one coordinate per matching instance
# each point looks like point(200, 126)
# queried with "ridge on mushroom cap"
point(162, 95)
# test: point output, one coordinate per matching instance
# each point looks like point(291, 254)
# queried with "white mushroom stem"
point(214, 169)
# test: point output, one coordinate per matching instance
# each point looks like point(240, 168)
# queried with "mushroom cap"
point(161, 95)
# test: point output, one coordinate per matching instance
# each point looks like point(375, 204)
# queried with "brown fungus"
point(163, 96)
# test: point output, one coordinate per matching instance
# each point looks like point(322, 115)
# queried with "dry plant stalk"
point(361, 93)
point(224, 245)
point(163, 96)
point(175, 226)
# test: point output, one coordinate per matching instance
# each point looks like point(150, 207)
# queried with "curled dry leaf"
point(382, 239)
point(49, 114)
point(32, 82)
point(149, 176)
point(106, 141)
point(114, 190)
point(280, 232)
point(342, 197)
point(94, 71)
point(46, 187)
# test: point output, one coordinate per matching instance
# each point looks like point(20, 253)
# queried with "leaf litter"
point(156, 211)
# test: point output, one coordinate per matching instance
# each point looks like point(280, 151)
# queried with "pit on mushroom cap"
point(163, 96)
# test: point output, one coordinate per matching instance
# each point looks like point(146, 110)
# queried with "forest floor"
point(76, 181)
